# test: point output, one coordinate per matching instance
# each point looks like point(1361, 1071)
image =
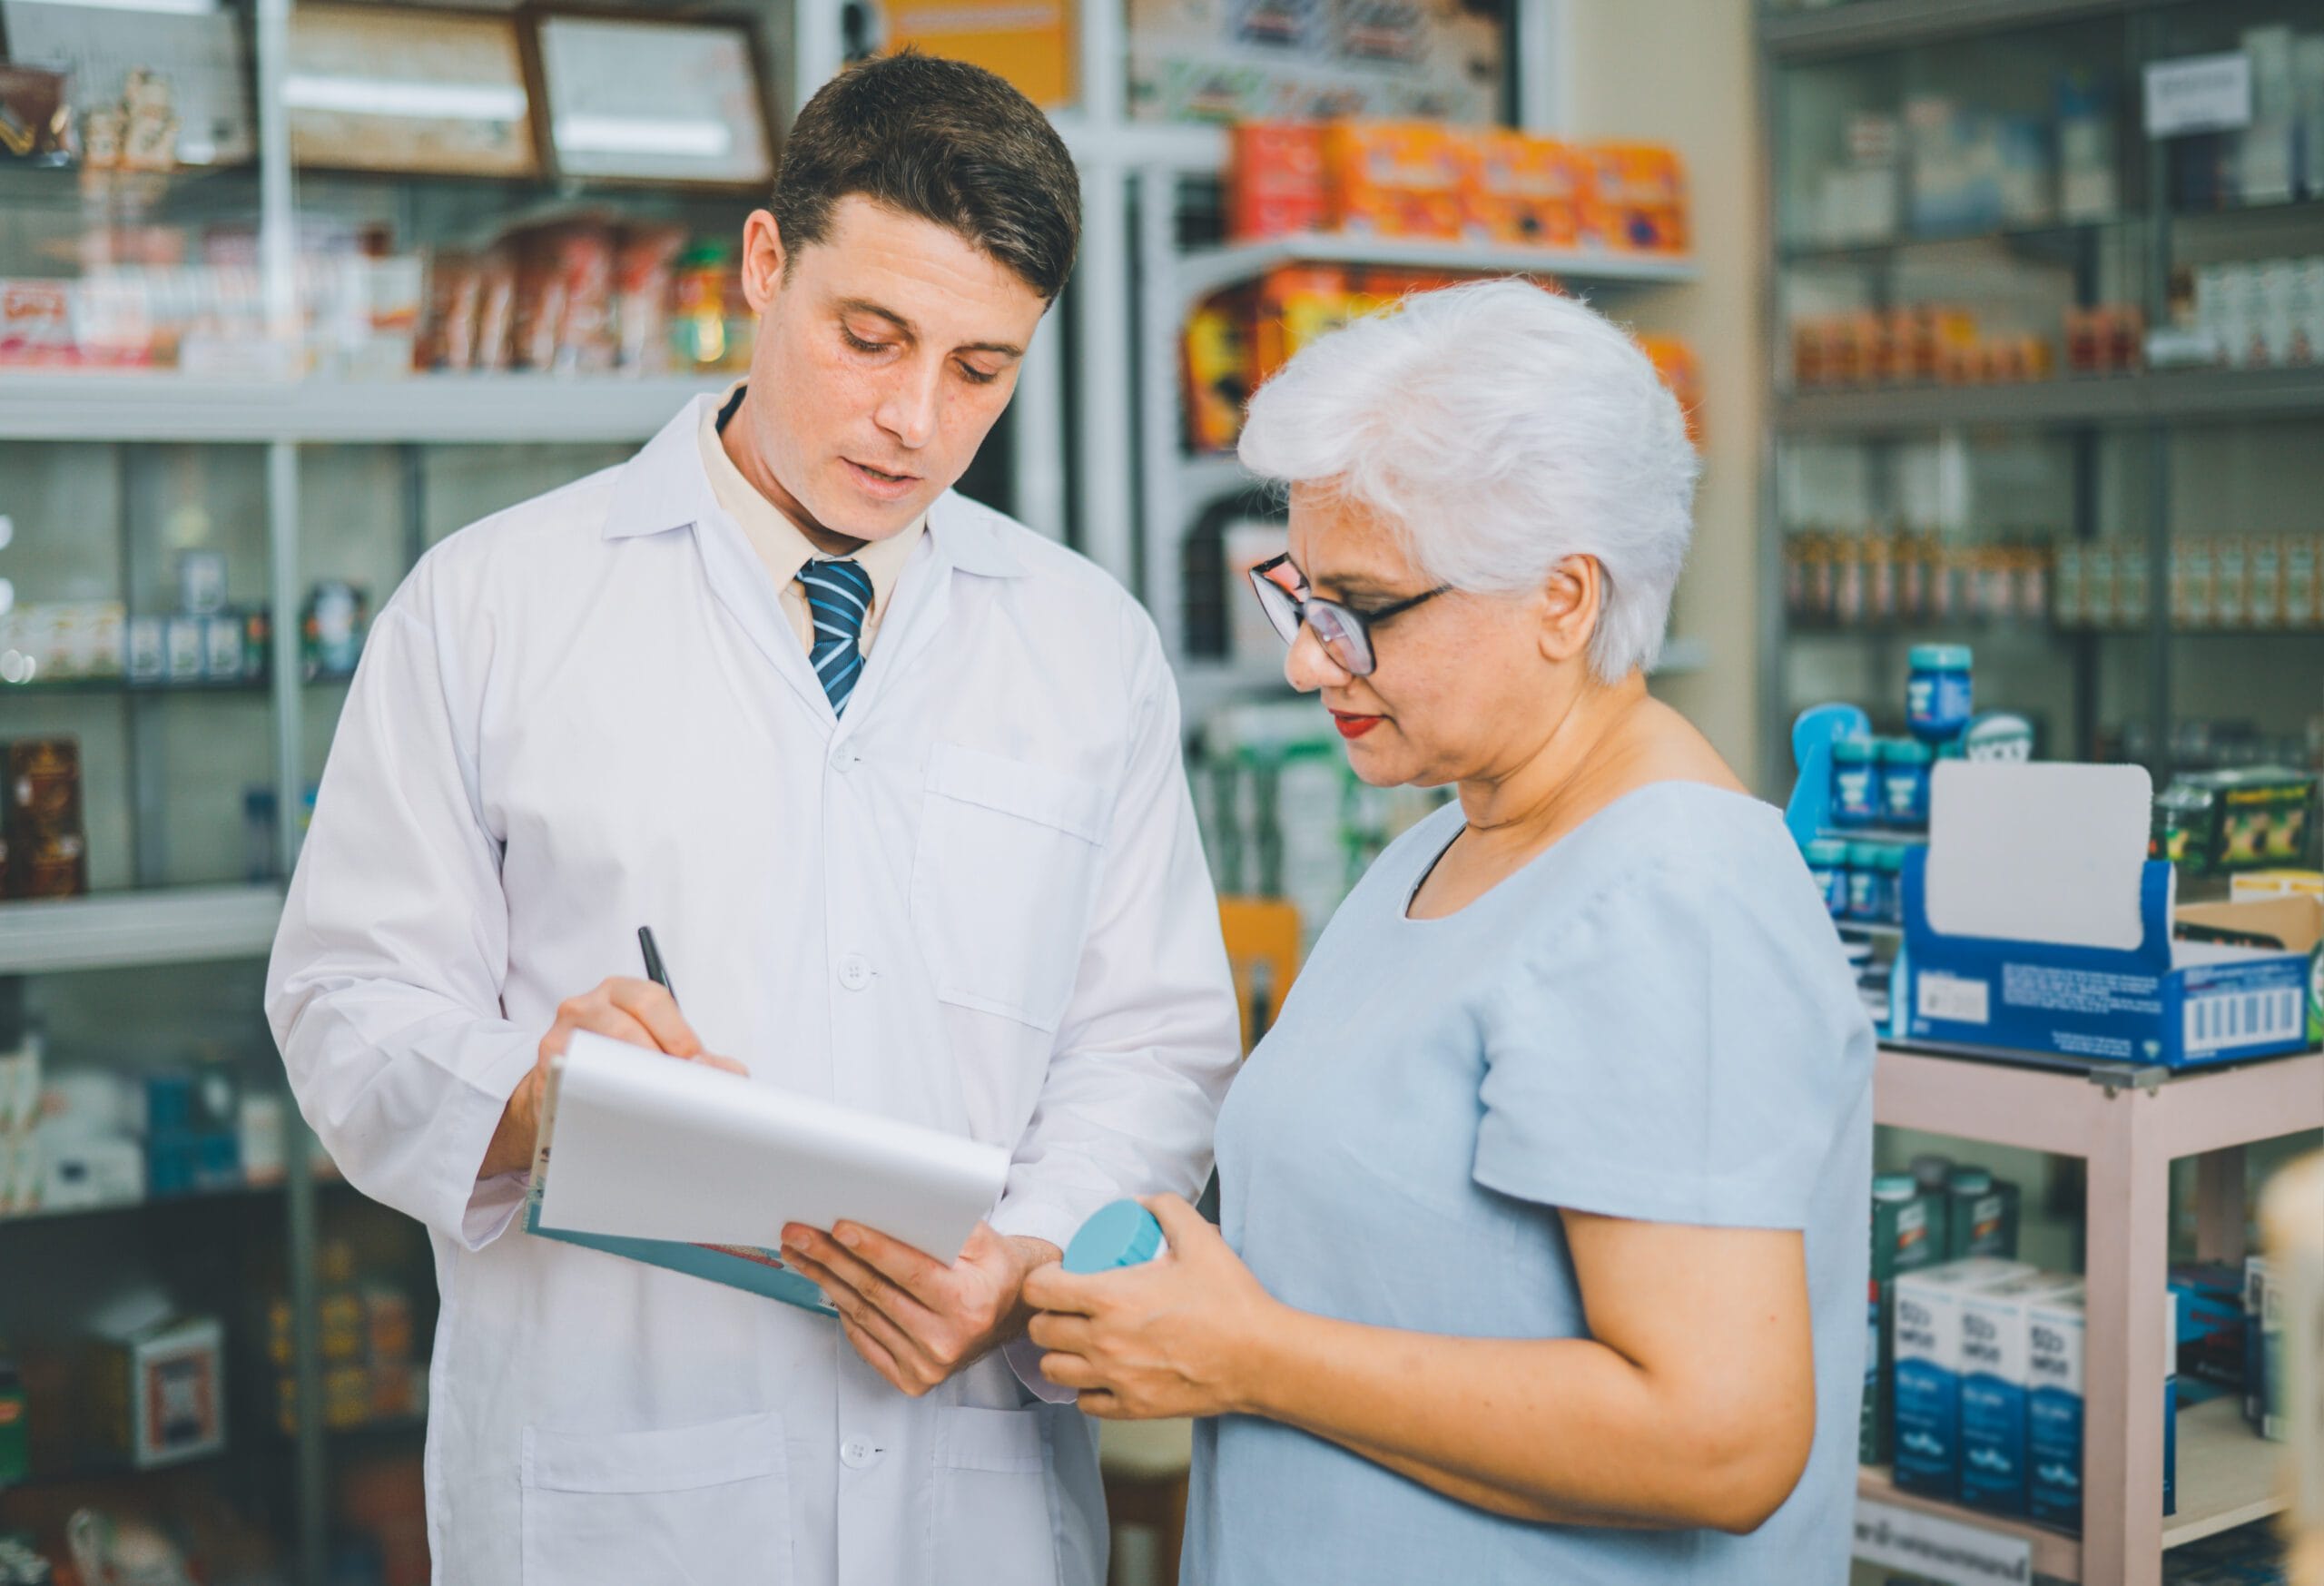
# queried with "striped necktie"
point(839, 593)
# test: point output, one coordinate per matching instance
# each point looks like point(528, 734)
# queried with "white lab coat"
point(978, 903)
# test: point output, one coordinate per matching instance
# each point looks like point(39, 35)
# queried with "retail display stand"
point(2129, 1125)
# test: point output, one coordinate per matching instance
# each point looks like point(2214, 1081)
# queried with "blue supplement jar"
point(1905, 766)
point(1121, 1233)
point(1888, 891)
point(1828, 861)
point(1864, 881)
point(1937, 691)
point(1855, 782)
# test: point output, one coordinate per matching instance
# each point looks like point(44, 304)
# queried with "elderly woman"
point(1544, 1246)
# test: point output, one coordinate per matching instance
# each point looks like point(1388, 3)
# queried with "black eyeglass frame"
point(1350, 647)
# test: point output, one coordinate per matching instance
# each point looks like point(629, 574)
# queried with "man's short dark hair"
point(943, 140)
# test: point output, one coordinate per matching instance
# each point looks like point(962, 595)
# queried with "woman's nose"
point(1309, 666)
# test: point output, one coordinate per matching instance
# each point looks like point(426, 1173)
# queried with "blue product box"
point(1929, 1353)
point(1995, 1352)
point(2053, 1338)
point(2179, 1004)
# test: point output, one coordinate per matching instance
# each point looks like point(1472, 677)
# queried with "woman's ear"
point(1572, 596)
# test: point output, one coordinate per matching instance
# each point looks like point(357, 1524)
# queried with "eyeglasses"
point(1345, 633)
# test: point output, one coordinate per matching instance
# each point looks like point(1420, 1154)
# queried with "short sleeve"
point(1685, 1047)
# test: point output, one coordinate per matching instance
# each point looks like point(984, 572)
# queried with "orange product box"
point(1637, 199)
point(1297, 303)
point(1217, 369)
point(1028, 42)
point(1527, 191)
point(1396, 179)
point(1682, 371)
point(1275, 180)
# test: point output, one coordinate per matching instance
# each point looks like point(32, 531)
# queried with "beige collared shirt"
point(783, 550)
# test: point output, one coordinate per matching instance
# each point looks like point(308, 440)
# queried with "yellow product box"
point(1297, 303)
point(1029, 43)
point(1217, 369)
point(1396, 179)
point(1682, 370)
point(1637, 199)
point(2254, 886)
point(1527, 191)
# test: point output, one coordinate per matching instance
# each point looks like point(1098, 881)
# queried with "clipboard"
point(697, 1170)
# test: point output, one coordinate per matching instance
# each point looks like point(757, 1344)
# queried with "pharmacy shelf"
point(1206, 271)
point(2228, 1476)
point(512, 408)
point(2128, 1124)
point(2055, 1554)
point(2215, 395)
point(1187, 149)
point(127, 930)
point(43, 1214)
point(1886, 24)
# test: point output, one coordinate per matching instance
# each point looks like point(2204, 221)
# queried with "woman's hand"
point(1177, 1335)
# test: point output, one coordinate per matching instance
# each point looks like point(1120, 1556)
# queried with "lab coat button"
point(859, 1455)
point(854, 972)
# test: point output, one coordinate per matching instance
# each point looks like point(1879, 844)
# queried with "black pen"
point(654, 969)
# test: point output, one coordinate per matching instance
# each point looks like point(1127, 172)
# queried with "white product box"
point(1927, 1353)
point(1995, 1345)
point(2054, 1374)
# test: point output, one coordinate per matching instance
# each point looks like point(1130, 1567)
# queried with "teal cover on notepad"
point(743, 1266)
point(750, 1267)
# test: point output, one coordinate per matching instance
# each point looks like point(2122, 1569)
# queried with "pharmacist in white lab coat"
point(897, 784)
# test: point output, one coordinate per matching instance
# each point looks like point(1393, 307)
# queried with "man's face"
point(881, 363)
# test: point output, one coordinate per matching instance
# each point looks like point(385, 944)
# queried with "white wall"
point(1681, 72)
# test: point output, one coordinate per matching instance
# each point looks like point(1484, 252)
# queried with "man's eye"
point(858, 343)
point(978, 377)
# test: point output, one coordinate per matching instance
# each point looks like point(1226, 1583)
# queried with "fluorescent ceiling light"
point(419, 100)
point(173, 7)
point(616, 134)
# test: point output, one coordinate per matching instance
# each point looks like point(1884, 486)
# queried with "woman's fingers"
point(1067, 1333)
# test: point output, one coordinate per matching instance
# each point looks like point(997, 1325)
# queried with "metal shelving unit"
point(1201, 272)
point(2194, 395)
point(424, 409)
point(133, 930)
point(2129, 1125)
point(1879, 25)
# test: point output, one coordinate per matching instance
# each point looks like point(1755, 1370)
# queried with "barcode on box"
point(2236, 1018)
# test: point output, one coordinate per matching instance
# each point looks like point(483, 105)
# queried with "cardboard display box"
point(2034, 920)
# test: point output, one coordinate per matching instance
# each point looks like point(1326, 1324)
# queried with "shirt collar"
point(667, 486)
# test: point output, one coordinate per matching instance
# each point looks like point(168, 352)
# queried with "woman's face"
point(1461, 682)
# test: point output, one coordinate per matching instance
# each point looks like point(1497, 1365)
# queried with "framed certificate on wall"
point(418, 92)
point(638, 100)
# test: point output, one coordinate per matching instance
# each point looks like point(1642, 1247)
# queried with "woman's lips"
point(1355, 726)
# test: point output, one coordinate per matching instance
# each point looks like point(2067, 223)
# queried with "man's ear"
point(1572, 597)
point(763, 261)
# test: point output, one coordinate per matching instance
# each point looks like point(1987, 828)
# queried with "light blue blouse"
point(1652, 1019)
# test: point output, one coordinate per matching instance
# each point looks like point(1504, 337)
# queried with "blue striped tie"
point(838, 596)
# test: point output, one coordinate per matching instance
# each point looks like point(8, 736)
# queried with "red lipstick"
point(1355, 726)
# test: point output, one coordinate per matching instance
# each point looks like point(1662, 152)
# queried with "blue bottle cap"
point(1121, 1234)
point(1940, 658)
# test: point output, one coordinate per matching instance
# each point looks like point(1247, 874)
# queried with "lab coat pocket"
point(708, 1505)
point(992, 1520)
point(1003, 880)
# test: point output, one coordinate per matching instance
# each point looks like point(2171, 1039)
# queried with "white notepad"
point(646, 1147)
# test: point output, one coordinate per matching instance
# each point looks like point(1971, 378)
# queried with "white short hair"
point(1499, 430)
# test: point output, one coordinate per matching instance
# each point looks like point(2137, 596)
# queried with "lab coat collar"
point(664, 487)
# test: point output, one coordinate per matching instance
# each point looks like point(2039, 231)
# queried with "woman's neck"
point(1519, 807)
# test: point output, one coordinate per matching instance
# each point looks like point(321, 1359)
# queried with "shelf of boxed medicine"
point(2128, 1124)
point(128, 929)
point(1206, 271)
point(1805, 34)
point(512, 408)
point(2227, 1478)
point(2096, 399)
